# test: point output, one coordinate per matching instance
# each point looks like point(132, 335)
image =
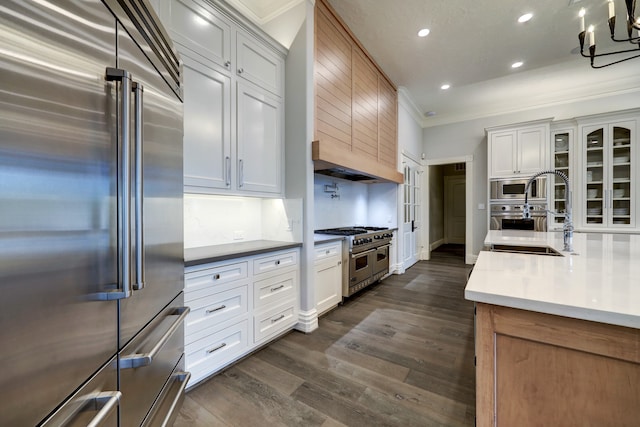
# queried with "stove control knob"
point(369, 240)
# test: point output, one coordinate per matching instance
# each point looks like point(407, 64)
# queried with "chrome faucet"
point(567, 228)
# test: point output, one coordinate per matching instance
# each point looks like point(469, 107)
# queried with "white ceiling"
point(472, 45)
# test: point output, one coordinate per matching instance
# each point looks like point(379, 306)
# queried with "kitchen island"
point(557, 337)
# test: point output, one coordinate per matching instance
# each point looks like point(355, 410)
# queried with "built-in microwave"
point(513, 188)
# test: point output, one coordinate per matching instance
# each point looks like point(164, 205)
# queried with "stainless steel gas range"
point(368, 255)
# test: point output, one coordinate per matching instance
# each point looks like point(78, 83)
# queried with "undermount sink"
point(533, 250)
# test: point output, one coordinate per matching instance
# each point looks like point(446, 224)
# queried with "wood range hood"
point(334, 160)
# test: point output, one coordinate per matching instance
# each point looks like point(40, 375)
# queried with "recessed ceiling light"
point(423, 32)
point(526, 17)
point(430, 113)
point(445, 86)
point(517, 64)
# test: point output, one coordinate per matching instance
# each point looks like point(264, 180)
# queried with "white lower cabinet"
point(328, 276)
point(237, 305)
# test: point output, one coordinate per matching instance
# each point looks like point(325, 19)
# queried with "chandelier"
point(631, 22)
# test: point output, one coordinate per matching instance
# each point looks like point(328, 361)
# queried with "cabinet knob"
point(240, 70)
point(216, 277)
point(227, 64)
point(278, 262)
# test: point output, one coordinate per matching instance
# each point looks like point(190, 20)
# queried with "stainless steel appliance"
point(514, 189)
point(509, 217)
point(91, 240)
point(368, 255)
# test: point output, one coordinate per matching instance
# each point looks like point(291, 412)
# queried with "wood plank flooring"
point(397, 354)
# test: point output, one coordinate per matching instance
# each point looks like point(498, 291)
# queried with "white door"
point(411, 212)
point(454, 209)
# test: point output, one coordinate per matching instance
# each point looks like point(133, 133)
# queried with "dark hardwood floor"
point(398, 354)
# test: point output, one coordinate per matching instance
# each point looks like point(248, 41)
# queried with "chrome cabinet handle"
point(277, 262)
point(124, 187)
point(138, 102)
point(213, 310)
point(137, 360)
point(216, 277)
point(277, 318)
point(240, 70)
point(227, 64)
point(227, 161)
point(277, 288)
point(241, 173)
point(213, 350)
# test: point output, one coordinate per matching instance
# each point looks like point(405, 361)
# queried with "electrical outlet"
point(238, 235)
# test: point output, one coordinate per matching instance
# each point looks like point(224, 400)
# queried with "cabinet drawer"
point(275, 289)
point(273, 321)
point(259, 64)
point(203, 282)
point(323, 252)
point(208, 312)
point(275, 262)
point(207, 355)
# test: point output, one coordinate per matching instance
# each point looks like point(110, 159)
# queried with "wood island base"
point(537, 369)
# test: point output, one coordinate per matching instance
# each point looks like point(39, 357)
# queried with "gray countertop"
point(214, 253)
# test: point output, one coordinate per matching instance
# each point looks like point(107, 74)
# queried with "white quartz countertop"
point(598, 281)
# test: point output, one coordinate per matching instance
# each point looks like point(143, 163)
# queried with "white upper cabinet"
point(233, 102)
point(519, 150)
point(260, 152)
point(258, 65)
point(195, 26)
point(608, 175)
point(207, 127)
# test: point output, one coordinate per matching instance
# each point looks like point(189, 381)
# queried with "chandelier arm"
point(613, 63)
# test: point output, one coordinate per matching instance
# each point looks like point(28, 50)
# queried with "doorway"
point(448, 202)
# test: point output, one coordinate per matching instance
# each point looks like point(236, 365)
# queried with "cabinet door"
point(594, 195)
point(328, 282)
point(194, 26)
point(562, 162)
point(531, 151)
point(258, 64)
point(260, 147)
point(503, 153)
point(621, 176)
point(207, 127)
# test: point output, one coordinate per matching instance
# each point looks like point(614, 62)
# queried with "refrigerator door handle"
point(123, 287)
point(137, 360)
point(104, 402)
point(138, 102)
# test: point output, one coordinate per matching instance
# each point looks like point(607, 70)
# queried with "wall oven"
point(509, 217)
point(513, 189)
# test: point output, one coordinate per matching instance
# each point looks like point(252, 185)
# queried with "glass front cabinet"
point(562, 158)
point(608, 181)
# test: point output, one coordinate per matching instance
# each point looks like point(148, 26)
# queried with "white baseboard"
point(396, 269)
point(307, 321)
point(470, 258)
point(435, 245)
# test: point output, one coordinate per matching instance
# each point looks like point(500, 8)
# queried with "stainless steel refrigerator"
point(91, 234)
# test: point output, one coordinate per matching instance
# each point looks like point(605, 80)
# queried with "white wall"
point(468, 138)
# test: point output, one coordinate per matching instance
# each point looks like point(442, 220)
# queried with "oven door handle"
point(353, 256)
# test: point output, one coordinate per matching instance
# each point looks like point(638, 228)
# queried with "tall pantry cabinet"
point(234, 101)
